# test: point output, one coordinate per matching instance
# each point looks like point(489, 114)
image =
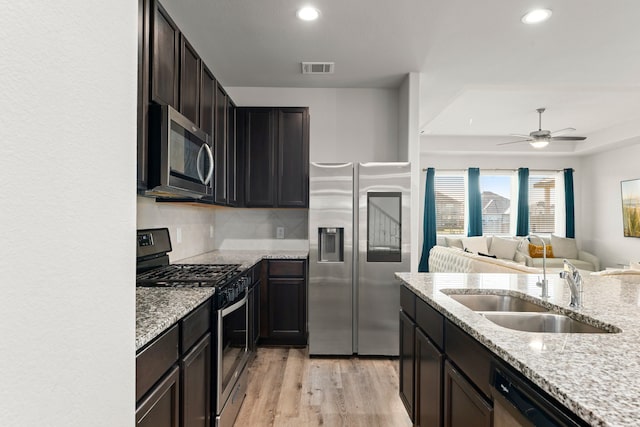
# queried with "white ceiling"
point(483, 72)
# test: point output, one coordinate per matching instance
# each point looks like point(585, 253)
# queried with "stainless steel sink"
point(543, 322)
point(493, 302)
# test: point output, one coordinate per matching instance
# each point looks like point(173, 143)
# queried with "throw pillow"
point(453, 243)
point(536, 251)
point(564, 247)
point(503, 248)
point(475, 244)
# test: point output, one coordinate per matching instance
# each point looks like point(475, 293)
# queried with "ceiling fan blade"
point(568, 138)
point(562, 131)
point(514, 142)
point(520, 135)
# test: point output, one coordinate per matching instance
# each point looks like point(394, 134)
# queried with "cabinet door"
point(161, 407)
point(259, 146)
point(407, 365)
point(463, 405)
point(196, 385)
point(232, 155)
point(287, 311)
point(144, 10)
point(189, 81)
point(428, 382)
point(207, 96)
point(220, 147)
point(293, 157)
point(165, 54)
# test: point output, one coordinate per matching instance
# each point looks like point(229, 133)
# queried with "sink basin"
point(492, 302)
point(543, 322)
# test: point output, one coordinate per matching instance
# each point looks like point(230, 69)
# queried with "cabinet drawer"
point(431, 322)
point(155, 360)
point(408, 302)
point(470, 356)
point(195, 325)
point(286, 269)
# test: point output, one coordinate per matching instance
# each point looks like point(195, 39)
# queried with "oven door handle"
point(234, 307)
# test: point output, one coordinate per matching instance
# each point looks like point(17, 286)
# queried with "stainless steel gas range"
point(231, 316)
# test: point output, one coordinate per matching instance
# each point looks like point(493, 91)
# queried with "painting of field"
point(631, 207)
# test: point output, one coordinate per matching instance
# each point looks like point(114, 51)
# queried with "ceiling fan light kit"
point(539, 143)
point(542, 137)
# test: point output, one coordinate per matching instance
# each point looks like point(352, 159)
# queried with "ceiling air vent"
point(318, 67)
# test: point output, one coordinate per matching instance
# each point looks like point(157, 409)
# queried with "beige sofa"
point(517, 249)
point(455, 260)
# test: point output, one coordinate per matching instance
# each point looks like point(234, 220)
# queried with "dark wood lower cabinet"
point(428, 386)
point(463, 405)
point(287, 301)
point(161, 407)
point(196, 385)
point(407, 365)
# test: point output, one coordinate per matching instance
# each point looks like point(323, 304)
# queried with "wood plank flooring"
point(287, 388)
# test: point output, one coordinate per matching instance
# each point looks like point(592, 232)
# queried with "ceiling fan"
point(540, 138)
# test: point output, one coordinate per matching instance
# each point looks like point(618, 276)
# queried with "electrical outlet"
point(211, 231)
point(279, 232)
point(178, 235)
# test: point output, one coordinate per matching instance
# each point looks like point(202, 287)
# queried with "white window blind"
point(450, 204)
point(496, 193)
point(542, 203)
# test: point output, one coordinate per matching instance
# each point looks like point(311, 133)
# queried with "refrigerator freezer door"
point(330, 259)
point(384, 204)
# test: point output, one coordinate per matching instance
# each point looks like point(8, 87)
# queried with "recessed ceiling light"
point(308, 13)
point(536, 16)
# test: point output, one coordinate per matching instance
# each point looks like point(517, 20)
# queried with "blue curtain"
point(522, 227)
point(475, 203)
point(429, 224)
point(569, 204)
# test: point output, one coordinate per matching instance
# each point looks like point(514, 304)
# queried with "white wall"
point(602, 204)
point(67, 215)
point(346, 125)
point(497, 161)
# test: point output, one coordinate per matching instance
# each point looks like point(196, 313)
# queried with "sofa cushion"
point(452, 242)
point(503, 248)
point(559, 263)
point(564, 247)
point(536, 251)
point(475, 244)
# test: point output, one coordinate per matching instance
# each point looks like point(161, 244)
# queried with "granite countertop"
point(159, 308)
point(594, 375)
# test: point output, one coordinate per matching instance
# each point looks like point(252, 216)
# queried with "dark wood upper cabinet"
point(293, 157)
point(144, 10)
point(190, 68)
point(220, 146)
point(207, 97)
point(165, 55)
point(234, 159)
point(259, 146)
point(276, 144)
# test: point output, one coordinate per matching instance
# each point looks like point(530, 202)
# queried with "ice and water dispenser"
point(331, 244)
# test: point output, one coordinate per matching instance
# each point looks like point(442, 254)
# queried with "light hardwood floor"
point(287, 388)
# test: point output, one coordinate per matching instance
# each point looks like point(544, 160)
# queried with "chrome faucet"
point(574, 279)
point(544, 284)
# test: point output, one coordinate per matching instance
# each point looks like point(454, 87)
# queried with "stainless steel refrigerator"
point(353, 254)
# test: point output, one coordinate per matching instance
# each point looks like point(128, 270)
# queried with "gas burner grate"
point(188, 275)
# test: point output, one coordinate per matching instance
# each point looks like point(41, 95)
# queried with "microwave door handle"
point(198, 168)
point(210, 173)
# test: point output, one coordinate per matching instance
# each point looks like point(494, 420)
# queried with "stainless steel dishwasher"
point(517, 403)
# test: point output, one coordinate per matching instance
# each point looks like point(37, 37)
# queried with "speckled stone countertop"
point(159, 308)
point(597, 376)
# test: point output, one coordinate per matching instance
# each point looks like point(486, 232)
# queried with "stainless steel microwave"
point(180, 156)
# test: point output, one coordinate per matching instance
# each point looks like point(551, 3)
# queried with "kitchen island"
point(594, 375)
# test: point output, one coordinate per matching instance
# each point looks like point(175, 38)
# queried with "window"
point(542, 203)
point(496, 191)
point(450, 204)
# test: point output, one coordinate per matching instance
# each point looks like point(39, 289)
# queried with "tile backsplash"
point(205, 228)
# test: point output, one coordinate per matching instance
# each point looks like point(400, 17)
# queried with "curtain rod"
point(497, 170)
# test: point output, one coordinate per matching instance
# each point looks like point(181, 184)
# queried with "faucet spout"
point(544, 284)
point(573, 278)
